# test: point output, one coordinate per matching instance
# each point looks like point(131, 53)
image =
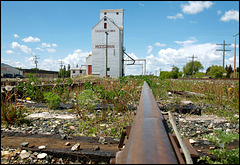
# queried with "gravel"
point(189, 127)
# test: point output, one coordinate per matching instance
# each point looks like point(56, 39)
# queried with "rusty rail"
point(148, 142)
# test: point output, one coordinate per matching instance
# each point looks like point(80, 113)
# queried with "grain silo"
point(107, 39)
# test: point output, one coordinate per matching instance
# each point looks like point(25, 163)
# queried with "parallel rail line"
point(148, 139)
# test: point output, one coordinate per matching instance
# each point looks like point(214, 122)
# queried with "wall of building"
point(42, 75)
point(7, 69)
point(75, 72)
point(115, 44)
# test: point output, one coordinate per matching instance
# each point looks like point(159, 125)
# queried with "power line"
point(235, 55)
point(61, 67)
point(223, 53)
point(35, 61)
point(192, 63)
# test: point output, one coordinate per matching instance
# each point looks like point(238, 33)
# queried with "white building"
point(75, 72)
point(108, 31)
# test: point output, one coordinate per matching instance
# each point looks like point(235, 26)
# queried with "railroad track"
point(212, 79)
point(149, 140)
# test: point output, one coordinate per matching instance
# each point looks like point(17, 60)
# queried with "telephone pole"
point(223, 53)
point(61, 67)
point(192, 63)
point(106, 51)
point(235, 55)
point(35, 61)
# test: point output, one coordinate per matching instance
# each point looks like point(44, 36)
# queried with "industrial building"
point(9, 71)
point(106, 59)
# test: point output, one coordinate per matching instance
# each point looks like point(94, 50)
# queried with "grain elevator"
point(107, 45)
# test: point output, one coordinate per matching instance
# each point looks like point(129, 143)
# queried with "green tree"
point(68, 71)
point(174, 72)
point(164, 75)
point(64, 71)
point(229, 70)
point(192, 68)
point(199, 75)
point(180, 74)
point(215, 71)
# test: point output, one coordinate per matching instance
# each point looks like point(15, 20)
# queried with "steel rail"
point(148, 142)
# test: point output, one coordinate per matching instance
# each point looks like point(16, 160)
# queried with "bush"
point(11, 113)
point(52, 99)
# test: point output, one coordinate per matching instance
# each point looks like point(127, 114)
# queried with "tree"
point(164, 75)
point(199, 75)
point(229, 70)
point(189, 70)
point(215, 71)
point(68, 71)
point(174, 72)
point(64, 71)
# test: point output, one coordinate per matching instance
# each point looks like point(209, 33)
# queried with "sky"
point(165, 33)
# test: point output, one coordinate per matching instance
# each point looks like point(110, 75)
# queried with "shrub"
point(11, 113)
point(52, 99)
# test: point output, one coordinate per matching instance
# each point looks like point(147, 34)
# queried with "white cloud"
point(166, 58)
point(195, 7)
point(159, 44)
point(219, 12)
point(39, 49)
point(10, 52)
point(54, 45)
point(28, 59)
point(187, 42)
point(51, 50)
point(232, 46)
point(230, 15)
point(31, 39)
point(23, 48)
point(133, 69)
point(179, 15)
point(50, 64)
point(78, 57)
point(45, 45)
point(141, 4)
point(16, 36)
point(13, 63)
point(149, 49)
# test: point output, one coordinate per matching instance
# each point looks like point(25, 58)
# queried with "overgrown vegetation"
point(11, 111)
point(120, 96)
point(222, 155)
point(53, 100)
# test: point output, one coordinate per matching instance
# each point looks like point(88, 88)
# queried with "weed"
point(222, 156)
point(52, 99)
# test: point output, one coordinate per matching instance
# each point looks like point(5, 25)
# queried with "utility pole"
point(35, 61)
point(192, 63)
point(61, 67)
point(235, 55)
point(106, 51)
point(223, 53)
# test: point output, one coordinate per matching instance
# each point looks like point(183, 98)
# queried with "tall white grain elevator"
point(108, 31)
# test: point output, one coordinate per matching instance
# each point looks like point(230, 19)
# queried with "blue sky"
point(166, 33)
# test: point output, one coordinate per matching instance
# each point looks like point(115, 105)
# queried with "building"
point(40, 73)
point(9, 71)
point(107, 38)
point(74, 72)
point(89, 65)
